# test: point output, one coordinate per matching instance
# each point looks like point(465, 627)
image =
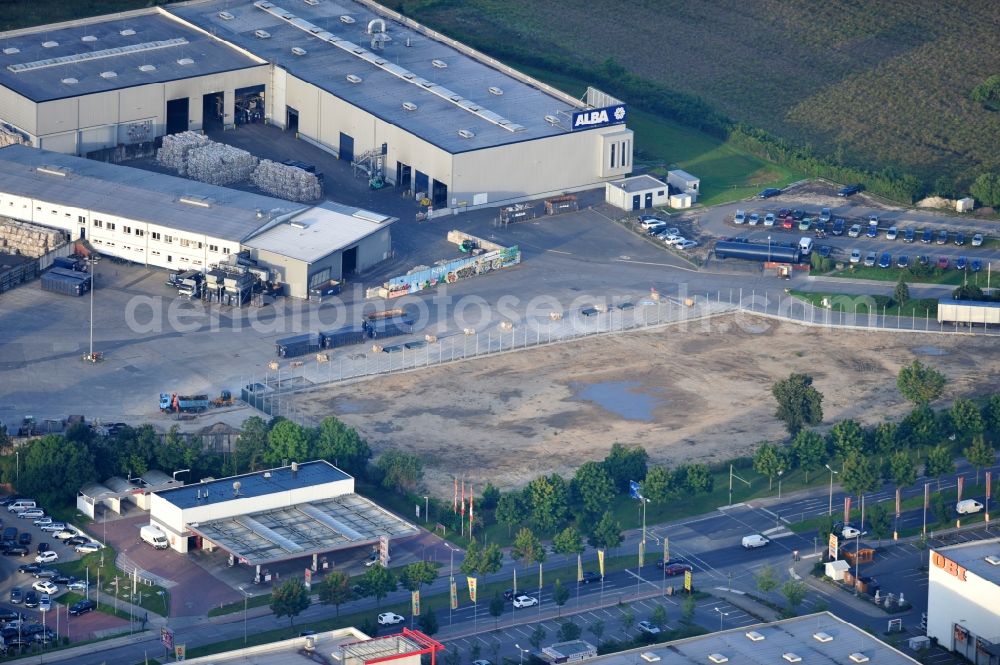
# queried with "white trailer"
point(968, 312)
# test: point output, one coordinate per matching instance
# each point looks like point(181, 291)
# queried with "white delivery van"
point(756, 540)
point(154, 537)
point(21, 505)
point(805, 246)
point(968, 506)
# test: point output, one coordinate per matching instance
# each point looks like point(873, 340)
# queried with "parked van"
point(756, 540)
point(154, 537)
point(21, 505)
point(805, 246)
point(968, 506)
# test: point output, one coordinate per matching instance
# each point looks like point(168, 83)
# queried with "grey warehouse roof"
point(450, 90)
point(818, 639)
point(311, 234)
point(972, 557)
point(639, 183)
point(43, 63)
point(114, 189)
point(254, 484)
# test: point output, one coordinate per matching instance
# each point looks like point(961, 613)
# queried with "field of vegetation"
point(879, 86)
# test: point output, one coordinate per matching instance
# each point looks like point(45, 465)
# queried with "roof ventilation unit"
point(88, 38)
point(409, 106)
point(858, 657)
point(298, 50)
point(60, 171)
point(298, 225)
point(440, 64)
point(347, 19)
point(11, 50)
point(552, 120)
point(109, 75)
point(717, 658)
point(792, 657)
point(267, 474)
point(496, 91)
point(823, 637)
point(147, 68)
point(70, 81)
point(226, 16)
point(50, 44)
point(127, 32)
point(263, 4)
point(754, 636)
point(262, 34)
point(354, 78)
point(312, 2)
point(236, 487)
point(185, 61)
point(993, 560)
point(466, 134)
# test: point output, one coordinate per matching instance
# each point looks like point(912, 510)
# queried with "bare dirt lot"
point(699, 394)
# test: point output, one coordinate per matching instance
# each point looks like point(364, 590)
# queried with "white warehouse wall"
point(973, 603)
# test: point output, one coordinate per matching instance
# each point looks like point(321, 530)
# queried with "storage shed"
point(835, 569)
point(684, 182)
point(639, 192)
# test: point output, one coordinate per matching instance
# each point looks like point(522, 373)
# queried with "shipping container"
point(69, 263)
point(389, 327)
point(968, 311)
point(345, 336)
point(756, 252)
point(299, 345)
point(65, 285)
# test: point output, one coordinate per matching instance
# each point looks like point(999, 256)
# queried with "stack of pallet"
point(10, 137)
point(28, 239)
point(287, 182)
point(174, 153)
point(219, 164)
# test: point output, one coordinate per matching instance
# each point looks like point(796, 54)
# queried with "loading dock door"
point(346, 147)
point(404, 176)
point(349, 262)
point(292, 121)
point(439, 195)
point(649, 200)
point(636, 202)
point(177, 115)
point(420, 182)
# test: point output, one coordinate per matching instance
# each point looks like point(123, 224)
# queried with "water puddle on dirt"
point(930, 351)
point(619, 397)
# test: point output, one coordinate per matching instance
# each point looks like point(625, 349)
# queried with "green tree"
point(919, 428)
point(335, 589)
point(592, 489)
point(988, 93)
point(901, 294)
point(496, 608)
point(417, 574)
point(290, 599)
point(625, 463)
point(859, 475)
point(568, 541)
point(799, 404)
point(343, 446)
point(52, 469)
point(878, 521)
point(378, 582)
point(902, 470)
point(847, 438)
point(940, 508)
point(794, 592)
point(765, 579)
point(986, 188)
point(991, 413)
point(884, 440)
point(967, 419)
point(597, 630)
point(537, 636)
point(491, 495)
point(769, 461)
point(809, 450)
point(980, 454)
point(527, 548)
point(688, 607)
point(607, 533)
point(548, 498)
point(251, 445)
point(657, 485)
point(659, 616)
point(401, 472)
point(490, 560)
point(428, 622)
point(628, 620)
point(919, 383)
point(825, 527)
point(473, 555)
point(569, 631)
point(939, 462)
point(697, 478)
point(475, 651)
point(511, 510)
point(286, 442)
point(968, 292)
point(560, 594)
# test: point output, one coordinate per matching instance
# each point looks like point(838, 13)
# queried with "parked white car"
point(755, 540)
point(47, 557)
point(85, 548)
point(389, 619)
point(687, 244)
point(525, 601)
point(968, 507)
point(855, 256)
point(45, 586)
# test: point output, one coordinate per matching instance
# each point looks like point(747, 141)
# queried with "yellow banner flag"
point(642, 553)
point(472, 588)
point(666, 550)
point(579, 568)
point(600, 561)
point(687, 581)
point(415, 602)
point(454, 594)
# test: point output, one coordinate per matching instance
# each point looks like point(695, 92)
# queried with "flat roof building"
point(290, 512)
point(963, 599)
point(373, 87)
point(171, 222)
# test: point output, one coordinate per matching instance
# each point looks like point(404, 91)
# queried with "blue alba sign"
point(602, 117)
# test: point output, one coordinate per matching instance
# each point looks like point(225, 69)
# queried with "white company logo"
point(597, 117)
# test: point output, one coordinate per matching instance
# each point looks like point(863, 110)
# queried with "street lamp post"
point(832, 474)
point(768, 249)
point(721, 615)
point(426, 512)
point(779, 482)
point(180, 471)
point(520, 653)
point(246, 597)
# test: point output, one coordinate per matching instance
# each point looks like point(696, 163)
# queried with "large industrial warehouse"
point(172, 222)
point(377, 89)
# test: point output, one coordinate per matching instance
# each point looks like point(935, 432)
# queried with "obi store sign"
point(609, 115)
